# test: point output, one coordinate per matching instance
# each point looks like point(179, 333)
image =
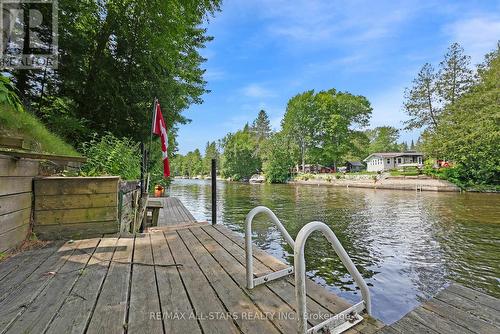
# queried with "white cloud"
point(478, 35)
point(257, 91)
point(214, 74)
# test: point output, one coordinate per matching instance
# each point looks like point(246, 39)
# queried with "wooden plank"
point(411, 326)
point(476, 296)
point(282, 288)
point(198, 289)
point(331, 302)
point(110, 312)
point(460, 317)
point(18, 167)
point(75, 231)
point(14, 185)
point(15, 202)
point(14, 219)
point(57, 202)
point(263, 296)
point(231, 295)
point(14, 262)
point(37, 316)
point(11, 142)
point(28, 290)
point(144, 299)
point(479, 310)
point(41, 156)
point(173, 296)
point(22, 266)
point(74, 216)
point(12, 238)
point(75, 313)
point(436, 322)
point(75, 186)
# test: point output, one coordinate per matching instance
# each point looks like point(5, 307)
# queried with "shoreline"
point(427, 184)
point(406, 183)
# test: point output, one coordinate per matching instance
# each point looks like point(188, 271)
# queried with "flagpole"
point(147, 152)
point(155, 102)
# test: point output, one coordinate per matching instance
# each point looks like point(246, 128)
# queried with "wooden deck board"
point(228, 292)
point(77, 309)
point(174, 213)
point(135, 285)
point(37, 316)
point(456, 309)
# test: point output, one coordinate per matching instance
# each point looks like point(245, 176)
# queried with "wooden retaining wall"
point(16, 177)
point(129, 206)
point(75, 207)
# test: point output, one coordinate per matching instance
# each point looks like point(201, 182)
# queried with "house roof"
point(393, 155)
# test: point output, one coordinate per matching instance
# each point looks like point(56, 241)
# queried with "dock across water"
point(185, 277)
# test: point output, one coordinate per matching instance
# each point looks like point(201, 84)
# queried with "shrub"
point(110, 155)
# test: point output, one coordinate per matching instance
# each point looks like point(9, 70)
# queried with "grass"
point(36, 136)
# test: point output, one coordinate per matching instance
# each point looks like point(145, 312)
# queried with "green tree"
point(239, 159)
point(277, 159)
point(468, 133)
point(211, 152)
point(432, 92)
point(261, 126)
point(115, 57)
point(383, 139)
point(340, 116)
point(420, 101)
point(455, 75)
point(299, 123)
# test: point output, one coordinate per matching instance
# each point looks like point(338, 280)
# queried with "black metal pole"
point(143, 161)
point(214, 191)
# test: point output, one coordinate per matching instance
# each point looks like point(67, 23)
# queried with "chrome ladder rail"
point(345, 319)
point(336, 324)
point(251, 281)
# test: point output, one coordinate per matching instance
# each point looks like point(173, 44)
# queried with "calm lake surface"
point(407, 245)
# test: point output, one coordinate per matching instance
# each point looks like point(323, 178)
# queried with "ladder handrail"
point(300, 270)
point(248, 238)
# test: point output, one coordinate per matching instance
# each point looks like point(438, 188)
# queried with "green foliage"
point(110, 155)
point(383, 139)
point(36, 136)
point(58, 115)
point(277, 160)
point(8, 94)
point(324, 126)
point(468, 133)
point(240, 159)
point(261, 127)
point(431, 91)
point(115, 57)
point(211, 152)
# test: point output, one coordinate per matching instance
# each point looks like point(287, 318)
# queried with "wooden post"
point(214, 191)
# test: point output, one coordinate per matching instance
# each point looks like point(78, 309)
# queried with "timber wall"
point(75, 207)
point(16, 176)
point(129, 206)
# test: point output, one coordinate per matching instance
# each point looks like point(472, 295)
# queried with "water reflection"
point(406, 245)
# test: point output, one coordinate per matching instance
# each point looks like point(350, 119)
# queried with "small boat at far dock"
point(257, 178)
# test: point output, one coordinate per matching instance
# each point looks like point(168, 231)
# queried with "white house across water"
point(393, 160)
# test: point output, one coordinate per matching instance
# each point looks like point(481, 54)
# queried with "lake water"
point(407, 245)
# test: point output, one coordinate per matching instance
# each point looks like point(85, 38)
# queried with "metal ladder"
point(336, 324)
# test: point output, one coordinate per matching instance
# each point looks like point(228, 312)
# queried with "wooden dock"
point(181, 277)
point(456, 309)
point(174, 213)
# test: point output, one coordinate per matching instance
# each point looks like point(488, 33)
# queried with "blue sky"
point(266, 51)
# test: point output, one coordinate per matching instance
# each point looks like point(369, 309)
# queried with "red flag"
point(160, 129)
